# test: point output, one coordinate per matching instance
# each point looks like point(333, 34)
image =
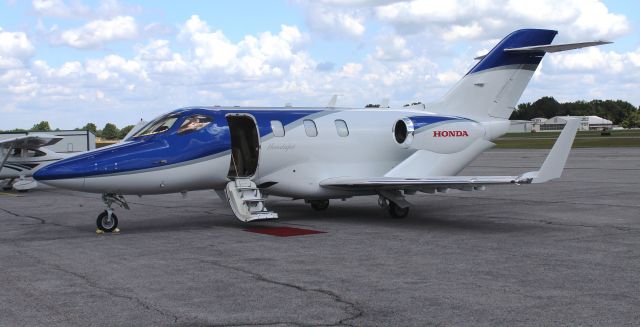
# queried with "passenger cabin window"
point(194, 123)
point(341, 128)
point(310, 128)
point(277, 128)
point(159, 125)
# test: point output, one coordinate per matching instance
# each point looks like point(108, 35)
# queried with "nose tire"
point(105, 224)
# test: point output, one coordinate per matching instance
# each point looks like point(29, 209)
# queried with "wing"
point(467, 183)
point(551, 168)
point(24, 142)
point(29, 141)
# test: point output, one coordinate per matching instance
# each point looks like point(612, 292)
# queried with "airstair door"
point(244, 196)
point(245, 146)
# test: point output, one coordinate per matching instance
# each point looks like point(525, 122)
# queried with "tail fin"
point(492, 88)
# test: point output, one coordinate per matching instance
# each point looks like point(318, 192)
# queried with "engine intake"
point(403, 131)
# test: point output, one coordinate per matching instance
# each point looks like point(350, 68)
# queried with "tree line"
point(108, 132)
point(619, 112)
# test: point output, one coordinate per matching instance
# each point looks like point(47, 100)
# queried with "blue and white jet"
point(323, 153)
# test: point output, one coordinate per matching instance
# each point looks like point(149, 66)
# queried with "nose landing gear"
point(107, 221)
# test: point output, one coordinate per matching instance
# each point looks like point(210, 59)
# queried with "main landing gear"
point(107, 221)
point(319, 205)
point(395, 204)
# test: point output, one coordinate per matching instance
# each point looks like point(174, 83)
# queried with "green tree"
point(124, 131)
point(90, 127)
point(615, 110)
point(42, 126)
point(633, 120)
point(110, 132)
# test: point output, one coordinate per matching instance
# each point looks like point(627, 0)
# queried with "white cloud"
point(392, 47)
point(96, 33)
point(59, 9)
point(471, 31)
point(331, 21)
point(75, 9)
point(466, 19)
point(255, 56)
point(595, 60)
point(15, 49)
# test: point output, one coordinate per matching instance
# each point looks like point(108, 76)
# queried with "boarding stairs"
point(246, 200)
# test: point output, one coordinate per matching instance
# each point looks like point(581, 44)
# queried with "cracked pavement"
point(561, 253)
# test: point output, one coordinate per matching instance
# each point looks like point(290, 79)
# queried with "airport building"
point(587, 123)
point(74, 141)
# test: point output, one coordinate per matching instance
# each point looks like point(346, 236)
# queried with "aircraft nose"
point(63, 173)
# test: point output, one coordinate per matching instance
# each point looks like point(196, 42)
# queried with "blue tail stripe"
point(521, 38)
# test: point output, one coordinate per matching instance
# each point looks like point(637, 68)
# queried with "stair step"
point(254, 200)
point(263, 215)
point(246, 201)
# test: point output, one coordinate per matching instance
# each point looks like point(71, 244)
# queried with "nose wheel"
point(107, 221)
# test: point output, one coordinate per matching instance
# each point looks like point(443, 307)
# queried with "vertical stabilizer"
point(492, 88)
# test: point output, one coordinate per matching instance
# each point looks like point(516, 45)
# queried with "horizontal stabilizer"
point(551, 47)
point(557, 47)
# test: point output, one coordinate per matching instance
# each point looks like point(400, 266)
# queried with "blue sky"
point(75, 61)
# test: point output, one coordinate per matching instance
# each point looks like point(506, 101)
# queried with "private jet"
point(323, 153)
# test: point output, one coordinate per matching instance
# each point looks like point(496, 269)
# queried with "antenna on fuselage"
point(384, 103)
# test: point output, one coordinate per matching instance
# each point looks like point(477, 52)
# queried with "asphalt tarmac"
point(562, 253)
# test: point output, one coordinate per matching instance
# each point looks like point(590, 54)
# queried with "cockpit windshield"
point(159, 125)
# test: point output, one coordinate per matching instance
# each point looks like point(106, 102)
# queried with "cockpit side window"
point(194, 123)
point(158, 126)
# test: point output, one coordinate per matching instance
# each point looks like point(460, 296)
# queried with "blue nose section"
point(115, 159)
point(62, 169)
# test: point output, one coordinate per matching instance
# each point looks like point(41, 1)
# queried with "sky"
point(71, 62)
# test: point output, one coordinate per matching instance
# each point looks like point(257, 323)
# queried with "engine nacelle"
point(436, 134)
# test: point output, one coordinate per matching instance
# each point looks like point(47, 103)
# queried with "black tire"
point(396, 212)
point(319, 205)
point(103, 225)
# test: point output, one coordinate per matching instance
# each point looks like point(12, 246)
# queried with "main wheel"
point(396, 211)
point(105, 224)
point(319, 205)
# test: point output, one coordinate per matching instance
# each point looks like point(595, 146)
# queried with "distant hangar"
point(587, 123)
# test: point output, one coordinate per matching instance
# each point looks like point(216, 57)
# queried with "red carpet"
point(282, 231)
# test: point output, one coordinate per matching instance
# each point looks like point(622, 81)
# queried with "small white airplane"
point(21, 156)
point(324, 153)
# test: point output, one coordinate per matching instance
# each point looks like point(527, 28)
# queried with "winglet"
point(557, 158)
